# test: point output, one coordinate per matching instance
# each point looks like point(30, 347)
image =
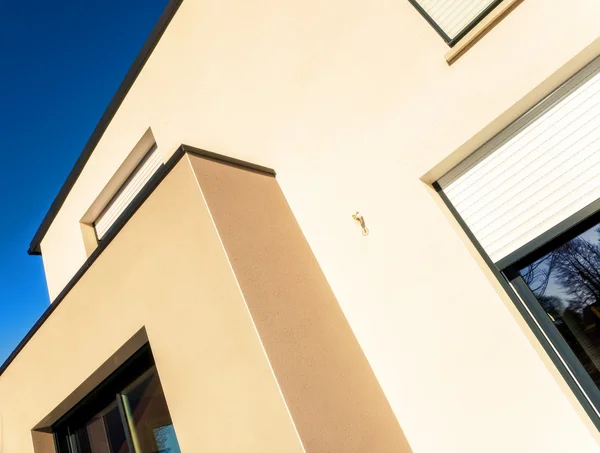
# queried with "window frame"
point(506, 273)
point(102, 396)
point(447, 39)
point(509, 266)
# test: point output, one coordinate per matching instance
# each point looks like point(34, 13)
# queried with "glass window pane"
point(63, 442)
point(566, 282)
point(104, 433)
point(115, 430)
point(79, 441)
point(97, 436)
point(149, 420)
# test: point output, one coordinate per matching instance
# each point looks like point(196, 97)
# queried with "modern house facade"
point(329, 227)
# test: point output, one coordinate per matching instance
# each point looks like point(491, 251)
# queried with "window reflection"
point(127, 413)
point(105, 432)
point(149, 420)
point(566, 282)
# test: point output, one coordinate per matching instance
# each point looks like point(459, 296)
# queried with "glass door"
point(135, 420)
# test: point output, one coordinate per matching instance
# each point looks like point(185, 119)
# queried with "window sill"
point(483, 27)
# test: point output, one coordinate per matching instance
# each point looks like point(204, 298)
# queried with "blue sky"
point(60, 65)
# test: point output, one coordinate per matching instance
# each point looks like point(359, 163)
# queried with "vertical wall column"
point(333, 396)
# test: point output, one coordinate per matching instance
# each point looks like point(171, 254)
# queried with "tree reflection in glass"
point(566, 282)
point(150, 425)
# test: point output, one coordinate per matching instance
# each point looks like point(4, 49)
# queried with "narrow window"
point(453, 19)
point(127, 193)
point(127, 413)
point(530, 200)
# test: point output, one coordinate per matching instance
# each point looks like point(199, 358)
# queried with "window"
point(126, 414)
point(530, 199)
point(453, 19)
point(565, 282)
point(539, 171)
point(128, 191)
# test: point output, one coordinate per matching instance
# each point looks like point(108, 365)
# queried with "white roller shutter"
point(536, 173)
point(453, 16)
point(134, 184)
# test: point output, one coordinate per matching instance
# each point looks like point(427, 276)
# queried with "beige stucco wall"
point(167, 271)
point(333, 397)
point(352, 103)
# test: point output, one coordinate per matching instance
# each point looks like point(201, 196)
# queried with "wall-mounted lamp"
point(361, 220)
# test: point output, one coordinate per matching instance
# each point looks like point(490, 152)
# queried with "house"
point(303, 226)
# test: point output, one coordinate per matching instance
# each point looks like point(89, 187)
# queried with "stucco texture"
point(352, 103)
point(252, 348)
point(331, 392)
point(167, 271)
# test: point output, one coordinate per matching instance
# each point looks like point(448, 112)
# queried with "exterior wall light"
point(361, 220)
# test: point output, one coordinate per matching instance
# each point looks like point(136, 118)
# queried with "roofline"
point(136, 203)
point(109, 113)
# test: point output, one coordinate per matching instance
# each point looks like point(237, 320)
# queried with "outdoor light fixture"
point(361, 220)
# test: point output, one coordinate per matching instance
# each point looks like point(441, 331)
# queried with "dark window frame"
point(102, 396)
point(506, 272)
point(452, 41)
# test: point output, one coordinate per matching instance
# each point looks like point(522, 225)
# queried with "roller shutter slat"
point(536, 173)
point(503, 157)
point(530, 179)
point(128, 192)
point(481, 162)
point(453, 16)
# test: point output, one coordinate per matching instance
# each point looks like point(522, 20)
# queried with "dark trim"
point(109, 113)
point(563, 348)
point(563, 232)
point(56, 446)
point(103, 394)
point(110, 366)
point(474, 22)
point(428, 18)
point(226, 159)
point(452, 41)
point(135, 204)
point(151, 185)
point(527, 316)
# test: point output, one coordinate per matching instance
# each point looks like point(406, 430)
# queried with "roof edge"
point(226, 159)
point(152, 184)
point(107, 116)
